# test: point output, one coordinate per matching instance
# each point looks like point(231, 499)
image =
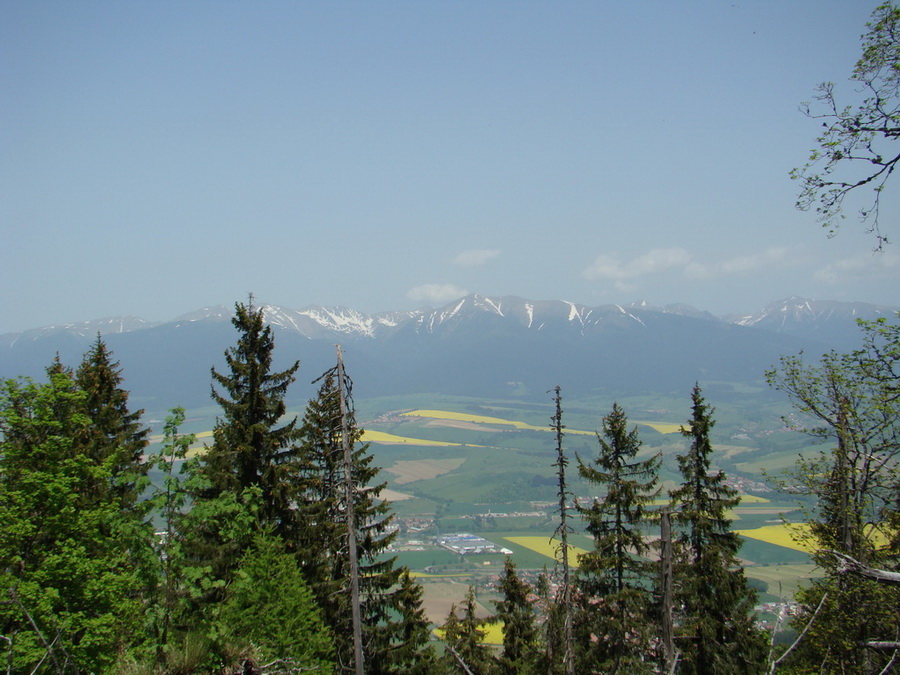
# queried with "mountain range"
point(476, 345)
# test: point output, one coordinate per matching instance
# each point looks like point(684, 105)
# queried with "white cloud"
point(865, 266)
point(655, 260)
point(475, 257)
point(741, 264)
point(663, 259)
point(436, 293)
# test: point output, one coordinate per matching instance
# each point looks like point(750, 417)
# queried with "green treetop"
point(70, 593)
point(520, 653)
point(321, 536)
point(116, 435)
point(715, 604)
point(613, 621)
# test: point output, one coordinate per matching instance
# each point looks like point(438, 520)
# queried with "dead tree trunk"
point(668, 602)
point(563, 532)
point(349, 507)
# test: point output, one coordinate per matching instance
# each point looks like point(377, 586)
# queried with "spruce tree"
point(320, 532)
point(243, 485)
point(412, 651)
point(250, 446)
point(614, 621)
point(116, 436)
point(467, 652)
point(715, 604)
point(270, 612)
point(245, 476)
point(515, 611)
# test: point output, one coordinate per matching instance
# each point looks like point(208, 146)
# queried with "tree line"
point(268, 552)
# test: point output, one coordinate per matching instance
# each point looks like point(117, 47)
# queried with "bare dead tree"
point(459, 659)
point(563, 533)
point(358, 662)
point(849, 565)
point(668, 602)
point(775, 663)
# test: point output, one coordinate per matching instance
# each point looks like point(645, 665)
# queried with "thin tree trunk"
point(358, 662)
point(563, 530)
point(668, 603)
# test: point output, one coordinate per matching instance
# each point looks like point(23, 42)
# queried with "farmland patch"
point(547, 547)
point(786, 535)
point(661, 427)
point(371, 436)
point(408, 471)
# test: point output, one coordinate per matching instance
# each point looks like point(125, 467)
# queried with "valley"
point(454, 464)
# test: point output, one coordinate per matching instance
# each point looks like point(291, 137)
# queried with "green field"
point(468, 464)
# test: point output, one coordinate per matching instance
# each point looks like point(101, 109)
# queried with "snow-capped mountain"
point(828, 320)
point(475, 345)
point(80, 329)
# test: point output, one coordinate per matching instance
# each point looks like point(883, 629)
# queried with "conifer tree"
point(116, 435)
point(614, 619)
point(249, 447)
point(715, 616)
point(467, 652)
point(320, 534)
point(271, 613)
point(411, 652)
point(252, 452)
point(516, 613)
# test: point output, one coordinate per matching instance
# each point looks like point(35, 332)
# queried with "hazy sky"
point(158, 157)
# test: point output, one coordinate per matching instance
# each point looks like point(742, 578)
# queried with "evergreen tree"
point(520, 635)
point(321, 537)
point(72, 596)
point(270, 611)
point(614, 620)
point(551, 607)
point(249, 447)
point(464, 640)
point(116, 435)
point(412, 652)
point(715, 615)
point(252, 452)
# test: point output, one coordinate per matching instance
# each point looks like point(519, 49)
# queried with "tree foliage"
point(271, 612)
point(714, 603)
point(857, 147)
point(853, 399)
point(321, 534)
point(250, 457)
point(116, 435)
point(614, 620)
point(467, 652)
point(850, 400)
point(72, 594)
point(520, 635)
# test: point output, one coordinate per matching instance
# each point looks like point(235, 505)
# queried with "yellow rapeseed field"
point(661, 427)
point(793, 535)
point(787, 535)
point(547, 548)
point(466, 417)
point(370, 436)
point(493, 633)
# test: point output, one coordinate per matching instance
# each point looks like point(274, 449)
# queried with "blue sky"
point(159, 157)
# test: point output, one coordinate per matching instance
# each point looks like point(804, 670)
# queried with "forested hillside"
point(271, 550)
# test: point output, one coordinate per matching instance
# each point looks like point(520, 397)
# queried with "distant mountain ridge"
point(795, 315)
point(475, 345)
